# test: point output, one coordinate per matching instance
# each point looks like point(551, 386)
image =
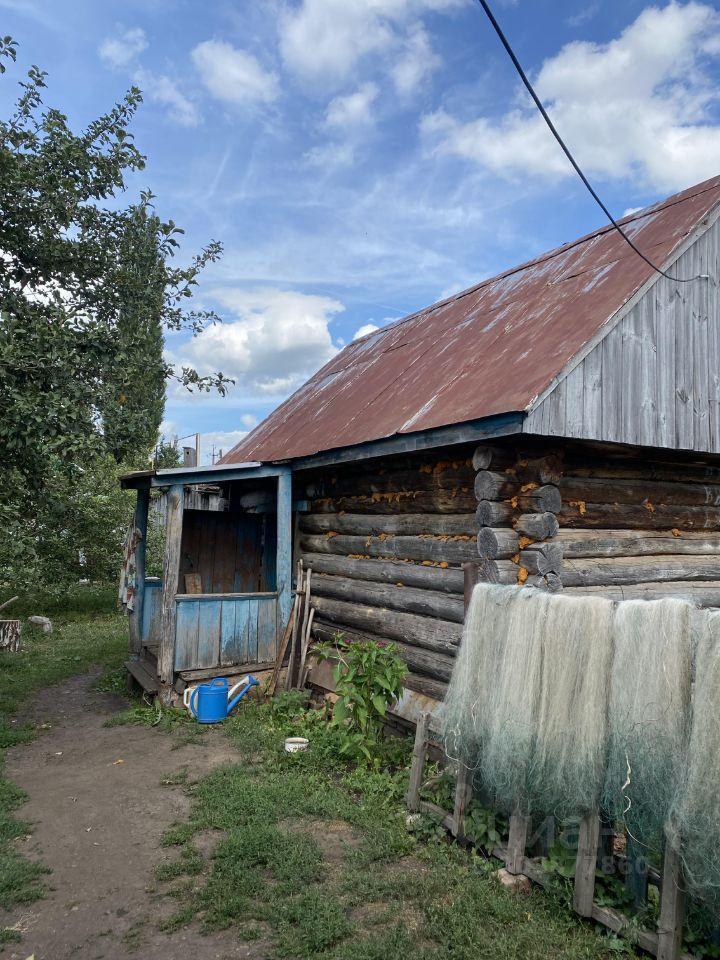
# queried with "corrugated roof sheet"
point(489, 350)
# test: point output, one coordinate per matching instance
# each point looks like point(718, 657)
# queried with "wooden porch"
point(225, 595)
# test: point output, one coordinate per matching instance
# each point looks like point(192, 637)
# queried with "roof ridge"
point(677, 198)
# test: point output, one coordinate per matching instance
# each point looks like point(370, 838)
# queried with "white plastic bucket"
point(295, 744)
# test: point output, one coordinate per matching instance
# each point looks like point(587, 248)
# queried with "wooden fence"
point(665, 943)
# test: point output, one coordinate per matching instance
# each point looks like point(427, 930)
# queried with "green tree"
point(88, 288)
point(132, 401)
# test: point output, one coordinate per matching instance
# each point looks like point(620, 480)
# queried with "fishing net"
point(512, 702)
point(648, 714)
point(526, 705)
point(465, 712)
point(568, 756)
point(488, 713)
point(697, 806)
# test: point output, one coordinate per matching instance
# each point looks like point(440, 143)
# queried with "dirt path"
point(98, 825)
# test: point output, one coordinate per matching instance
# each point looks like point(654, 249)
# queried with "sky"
point(361, 159)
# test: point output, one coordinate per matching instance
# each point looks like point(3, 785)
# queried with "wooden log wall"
point(386, 542)
point(634, 525)
point(518, 500)
point(594, 520)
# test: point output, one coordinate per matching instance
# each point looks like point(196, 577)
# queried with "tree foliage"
point(88, 288)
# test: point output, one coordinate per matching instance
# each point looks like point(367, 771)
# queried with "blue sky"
point(360, 159)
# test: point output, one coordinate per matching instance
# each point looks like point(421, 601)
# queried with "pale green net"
point(526, 705)
point(648, 714)
point(696, 810)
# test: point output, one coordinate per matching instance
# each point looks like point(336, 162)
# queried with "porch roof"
point(181, 476)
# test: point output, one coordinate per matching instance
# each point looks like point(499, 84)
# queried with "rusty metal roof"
point(489, 350)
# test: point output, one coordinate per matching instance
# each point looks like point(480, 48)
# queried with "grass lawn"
point(315, 858)
point(305, 853)
point(78, 642)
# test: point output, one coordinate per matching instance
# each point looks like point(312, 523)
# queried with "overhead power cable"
point(568, 154)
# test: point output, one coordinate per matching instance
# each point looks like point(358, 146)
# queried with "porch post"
point(284, 547)
point(171, 575)
point(136, 616)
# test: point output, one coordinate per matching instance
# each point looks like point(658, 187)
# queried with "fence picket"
point(517, 840)
point(672, 906)
point(586, 863)
point(418, 763)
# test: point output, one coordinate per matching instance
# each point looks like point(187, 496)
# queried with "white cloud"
point(164, 90)
point(353, 110)
point(348, 117)
point(416, 61)
point(122, 52)
point(234, 75)
point(324, 40)
point(365, 329)
point(124, 49)
point(277, 339)
point(637, 105)
point(331, 155)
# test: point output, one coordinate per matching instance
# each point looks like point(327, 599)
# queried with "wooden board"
point(193, 583)
point(267, 629)
point(151, 611)
point(186, 636)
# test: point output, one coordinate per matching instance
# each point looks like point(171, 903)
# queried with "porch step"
point(141, 672)
point(150, 654)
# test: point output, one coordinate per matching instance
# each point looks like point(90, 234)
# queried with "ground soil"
point(98, 824)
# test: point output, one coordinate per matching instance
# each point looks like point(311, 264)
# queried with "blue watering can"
point(212, 702)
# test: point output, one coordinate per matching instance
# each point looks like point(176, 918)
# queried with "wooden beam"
point(672, 906)
point(403, 524)
point(440, 549)
point(418, 763)
point(437, 666)
point(488, 427)
point(218, 474)
point(542, 558)
point(495, 543)
point(463, 796)
point(578, 544)
point(636, 871)
point(141, 524)
point(445, 579)
point(470, 578)
point(537, 526)
point(706, 593)
point(490, 513)
point(621, 571)
point(284, 548)
point(517, 841)
point(171, 574)
point(439, 636)
point(428, 603)
point(586, 863)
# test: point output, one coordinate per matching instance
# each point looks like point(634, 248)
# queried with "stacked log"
point(386, 543)
point(387, 540)
point(633, 527)
point(518, 500)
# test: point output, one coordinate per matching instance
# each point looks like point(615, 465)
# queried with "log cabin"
point(558, 424)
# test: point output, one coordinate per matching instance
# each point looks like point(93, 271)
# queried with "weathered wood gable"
point(653, 379)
